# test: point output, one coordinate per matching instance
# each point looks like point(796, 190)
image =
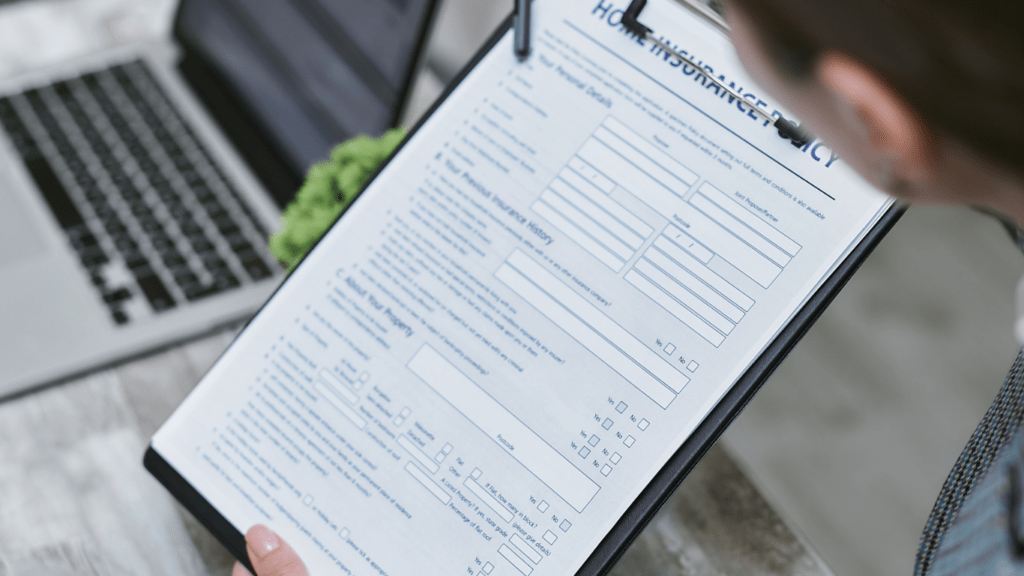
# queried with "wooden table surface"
point(75, 499)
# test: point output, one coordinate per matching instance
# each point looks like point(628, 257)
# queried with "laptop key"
point(257, 269)
point(156, 293)
point(185, 279)
point(237, 242)
point(136, 260)
point(200, 292)
point(213, 263)
point(53, 191)
point(19, 135)
point(173, 259)
point(201, 244)
point(120, 317)
point(92, 257)
point(115, 296)
point(224, 280)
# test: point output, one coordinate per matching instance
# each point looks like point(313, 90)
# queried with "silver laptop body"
point(128, 219)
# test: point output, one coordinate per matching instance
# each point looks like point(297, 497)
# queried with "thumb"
point(270, 555)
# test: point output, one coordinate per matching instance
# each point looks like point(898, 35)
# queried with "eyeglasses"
point(1011, 227)
point(788, 130)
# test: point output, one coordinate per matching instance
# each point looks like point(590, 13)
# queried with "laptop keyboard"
point(151, 216)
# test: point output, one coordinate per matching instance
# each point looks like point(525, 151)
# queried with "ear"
point(894, 131)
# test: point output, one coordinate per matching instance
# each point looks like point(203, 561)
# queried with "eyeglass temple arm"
point(630, 21)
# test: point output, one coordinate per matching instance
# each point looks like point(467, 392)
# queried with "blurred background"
point(853, 437)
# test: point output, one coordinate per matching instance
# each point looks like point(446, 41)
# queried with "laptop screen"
point(316, 72)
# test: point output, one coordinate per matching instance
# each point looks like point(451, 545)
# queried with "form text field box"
point(339, 386)
point(606, 256)
point(685, 315)
point(592, 175)
point(620, 212)
point(606, 339)
point(727, 246)
point(525, 548)
point(418, 454)
point(740, 230)
point(659, 195)
point(488, 499)
point(515, 560)
point(591, 226)
point(732, 206)
point(697, 268)
point(668, 284)
point(328, 394)
point(608, 219)
point(694, 284)
point(688, 243)
point(641, 150)
point(427, 483)
point(507, 431)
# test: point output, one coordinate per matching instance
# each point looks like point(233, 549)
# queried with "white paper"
point(532, 307)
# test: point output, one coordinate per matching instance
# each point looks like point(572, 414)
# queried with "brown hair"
point(959, 64)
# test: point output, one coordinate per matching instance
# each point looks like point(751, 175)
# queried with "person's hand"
point(270, 555)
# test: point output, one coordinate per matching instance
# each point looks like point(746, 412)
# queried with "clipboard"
point(645, 506)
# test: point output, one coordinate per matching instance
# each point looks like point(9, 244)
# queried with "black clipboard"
point(682, 462)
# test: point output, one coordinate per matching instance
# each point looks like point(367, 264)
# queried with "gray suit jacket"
point(977, 524)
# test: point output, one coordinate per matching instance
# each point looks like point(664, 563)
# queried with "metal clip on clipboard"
point(798, 136)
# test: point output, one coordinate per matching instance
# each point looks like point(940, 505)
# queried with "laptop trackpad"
point(19, 238)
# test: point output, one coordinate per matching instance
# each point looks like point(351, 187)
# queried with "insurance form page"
point(507, 336)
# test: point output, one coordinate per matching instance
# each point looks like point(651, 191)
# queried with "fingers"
point(270, 555)
point(239, 570)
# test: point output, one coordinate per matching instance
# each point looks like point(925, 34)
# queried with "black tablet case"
point(678, 466)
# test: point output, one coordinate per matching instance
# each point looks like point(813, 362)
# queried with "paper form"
point(495, 350)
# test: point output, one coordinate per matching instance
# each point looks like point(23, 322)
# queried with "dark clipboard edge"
point(707, 433)
point(672, 474)
point(194, 502)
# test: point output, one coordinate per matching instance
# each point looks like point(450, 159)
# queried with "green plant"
point(329, 188)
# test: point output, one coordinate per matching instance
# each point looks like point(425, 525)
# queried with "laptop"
point(138, 187)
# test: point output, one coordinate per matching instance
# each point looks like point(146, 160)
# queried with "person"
point(270, 555)
point(923, 99)
point(920, 97)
